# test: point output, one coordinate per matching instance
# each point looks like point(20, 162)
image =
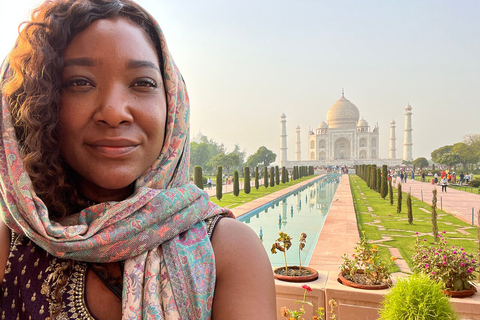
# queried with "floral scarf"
point(159, 231)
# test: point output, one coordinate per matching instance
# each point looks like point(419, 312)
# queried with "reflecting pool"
point(303, 210)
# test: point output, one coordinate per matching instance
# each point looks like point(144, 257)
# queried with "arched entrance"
point(342, 149)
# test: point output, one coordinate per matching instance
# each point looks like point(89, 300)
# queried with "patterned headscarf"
point(159, 231)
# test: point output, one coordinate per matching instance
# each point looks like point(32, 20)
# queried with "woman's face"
point(113, 108)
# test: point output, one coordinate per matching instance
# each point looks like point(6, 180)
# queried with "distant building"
point(344, 139)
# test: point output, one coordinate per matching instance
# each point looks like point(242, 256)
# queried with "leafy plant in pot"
point(366, 270)
point(292, 273)
point(455, 268)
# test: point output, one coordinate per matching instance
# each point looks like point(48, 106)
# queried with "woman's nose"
point(114, 107)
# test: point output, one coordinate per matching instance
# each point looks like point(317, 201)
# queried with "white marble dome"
point(362, 123)
point(323, 125)
point(343, 114)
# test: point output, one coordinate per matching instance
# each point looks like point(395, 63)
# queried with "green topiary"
point(236, 184)
point(390, 191)
point(409, 208)
point(417, 298)
point(257, 185)
point(277, 175)
point(265, 177)
point(246, 184)
point(197, 176)
point(284, 172)
point(399, 198)
point(272, 177)
point(384, 186)
point(219, 183)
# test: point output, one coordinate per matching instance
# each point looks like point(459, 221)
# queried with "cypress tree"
point(246, 181)
point(287, 175)
point(373, 177)
point(197, 176)
point(384, 187)
point(390, 191)
point(236, 184)
point(277, 175)
point(399, 198)
point(367, 176)
point(265, 177)
point(379, 180)
point(272, 177)
point(284, 172)
point(219, 183)
point(434, 216)
point(409, 208)
point(257, 185)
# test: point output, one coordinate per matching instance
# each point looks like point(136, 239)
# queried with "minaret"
point(407, 140)
point(283, 140)
point(392, 140)
point(297, 146)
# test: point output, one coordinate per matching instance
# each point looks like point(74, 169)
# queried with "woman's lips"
point(113, 147)
point(113, 151)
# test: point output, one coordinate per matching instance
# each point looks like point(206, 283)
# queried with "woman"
point(97, 218)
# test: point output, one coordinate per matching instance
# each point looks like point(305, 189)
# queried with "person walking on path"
point(444, 184)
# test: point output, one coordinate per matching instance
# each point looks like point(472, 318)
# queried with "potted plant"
point(366, 270)
point(292, 273)
point(297, 315)
point(449, 264)
point(417, 297)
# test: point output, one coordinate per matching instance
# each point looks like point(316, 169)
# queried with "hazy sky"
point(246, 62)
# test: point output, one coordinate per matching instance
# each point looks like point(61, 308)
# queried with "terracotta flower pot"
point(461, 293)
point(312, 274)
point(352, 284)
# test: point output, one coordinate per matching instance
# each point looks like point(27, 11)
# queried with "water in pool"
point(305, 210)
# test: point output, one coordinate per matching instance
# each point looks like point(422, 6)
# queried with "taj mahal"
point(345, 139)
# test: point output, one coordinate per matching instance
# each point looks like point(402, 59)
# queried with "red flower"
point(307, 288)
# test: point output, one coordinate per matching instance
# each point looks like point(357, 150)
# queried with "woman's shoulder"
point(244, 281)
point(4, 247)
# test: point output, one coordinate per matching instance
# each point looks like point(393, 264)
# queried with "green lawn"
point(383, 222)
point(230, 201)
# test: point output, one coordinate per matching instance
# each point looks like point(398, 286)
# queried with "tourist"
point(471, 177)
point(444, 183)
point(435, 176)
point(209, 183)
point(423, 176)
point(461, 177)
point(95, 194)
point(413, 175)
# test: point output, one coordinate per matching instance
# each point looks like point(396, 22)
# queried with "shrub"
point(416, 297)
point(277, 175)
point(284, 172)
point(434, 216)
point(236, 184)
point(390, 191)
point(246, 181)
point(409, 208)
point(197, 176)
point(474, 183)
point(399, 198)
point(265, 177)
point(219, 183)
point(379, 181)
point(257, 185)
point(384, 186)
point(272, 177)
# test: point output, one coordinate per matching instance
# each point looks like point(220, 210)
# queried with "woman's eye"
point(77, 83)
point(148, 83)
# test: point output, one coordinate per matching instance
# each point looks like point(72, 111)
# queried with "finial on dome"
point(343, 92)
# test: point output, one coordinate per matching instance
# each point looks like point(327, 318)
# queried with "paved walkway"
point(456, 202)
point(339, 234)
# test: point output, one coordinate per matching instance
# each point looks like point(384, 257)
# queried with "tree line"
point(271, 177)
point(209, 154)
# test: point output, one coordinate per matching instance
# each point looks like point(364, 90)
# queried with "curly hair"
point(34, 87)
